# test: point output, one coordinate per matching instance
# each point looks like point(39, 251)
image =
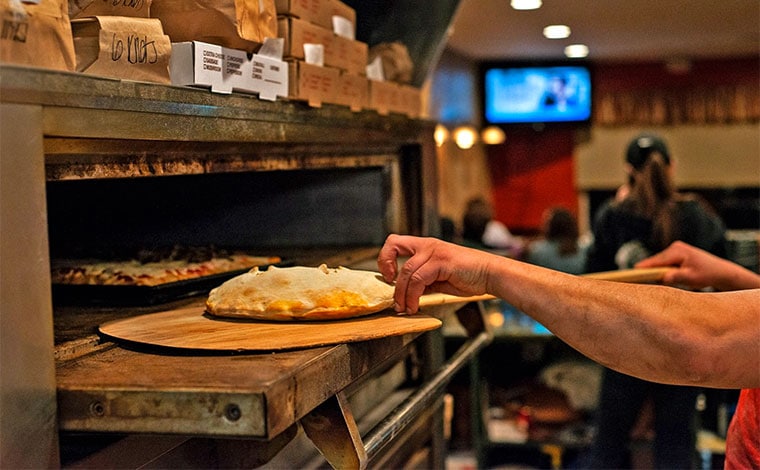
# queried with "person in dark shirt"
point(642, 220)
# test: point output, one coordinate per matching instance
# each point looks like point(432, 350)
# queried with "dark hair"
point(476, 218)
point(560, 226)
point(652, 194)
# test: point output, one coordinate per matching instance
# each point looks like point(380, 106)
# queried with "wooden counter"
point(250, 395)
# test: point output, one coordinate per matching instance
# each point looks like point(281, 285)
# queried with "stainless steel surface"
point(423, 398)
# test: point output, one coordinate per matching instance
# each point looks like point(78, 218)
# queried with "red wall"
point(530, 172)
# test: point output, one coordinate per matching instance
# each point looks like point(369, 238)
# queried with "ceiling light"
point(556, 31)
point(465, 137)
point(526, 4)
point(441, 134)
point(576, 51)
point(493, 135)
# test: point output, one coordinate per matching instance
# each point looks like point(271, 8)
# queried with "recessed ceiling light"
point(576, 51)
point(556, 31)
point(526, 4)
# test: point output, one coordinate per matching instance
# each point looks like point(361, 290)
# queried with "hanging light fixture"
point(441, 135)
point(493, 135)
point(465, 137)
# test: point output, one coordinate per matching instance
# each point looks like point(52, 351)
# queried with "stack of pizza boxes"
point(326, 63)
point(225, 45)
point(119, 39)
point(390, 74)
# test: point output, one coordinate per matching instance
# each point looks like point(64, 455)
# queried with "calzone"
point(301, 293)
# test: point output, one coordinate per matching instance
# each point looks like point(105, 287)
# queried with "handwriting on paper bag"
point(133, 49)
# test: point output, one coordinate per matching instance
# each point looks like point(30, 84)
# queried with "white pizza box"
point(224, 70)
point(266, 73)
point(196, 63)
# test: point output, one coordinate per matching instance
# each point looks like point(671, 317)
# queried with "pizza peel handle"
point(631, 275)
point(623, 275)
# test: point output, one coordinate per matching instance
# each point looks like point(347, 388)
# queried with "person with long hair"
point(559, 248)
point(645, 218)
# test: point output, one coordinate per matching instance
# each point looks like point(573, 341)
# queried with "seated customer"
point(559, 249)
point(480, 229)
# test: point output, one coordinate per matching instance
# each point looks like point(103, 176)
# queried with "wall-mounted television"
point(533, 93)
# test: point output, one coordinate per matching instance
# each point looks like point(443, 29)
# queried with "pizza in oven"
point(136, 273)
point(301, 293)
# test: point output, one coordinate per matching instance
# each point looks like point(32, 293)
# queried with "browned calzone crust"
point(301, 293)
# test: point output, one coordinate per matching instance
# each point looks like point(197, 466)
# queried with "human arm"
point(698, 269)
point(652, 332)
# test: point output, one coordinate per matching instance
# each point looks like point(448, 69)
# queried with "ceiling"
point(614, 30)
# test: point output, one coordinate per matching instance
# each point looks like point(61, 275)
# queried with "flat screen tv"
point(523, 93)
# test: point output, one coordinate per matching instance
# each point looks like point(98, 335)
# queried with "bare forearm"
point(653, 332)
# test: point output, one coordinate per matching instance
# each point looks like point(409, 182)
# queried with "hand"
point(698, 269)
point(433, 266)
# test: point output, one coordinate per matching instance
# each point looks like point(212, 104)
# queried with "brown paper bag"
point(36, 34)
point(122, 47)
point(85, 8)
point(237, 24)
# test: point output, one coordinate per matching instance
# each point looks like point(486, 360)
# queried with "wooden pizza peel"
point(192, 329)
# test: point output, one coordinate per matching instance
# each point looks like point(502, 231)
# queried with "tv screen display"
point(525, 94)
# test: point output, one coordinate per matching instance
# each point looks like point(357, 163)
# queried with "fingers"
point(412, 281)
point(670, 256)
point(416, 274)
point(387, 262)
point(387, 259)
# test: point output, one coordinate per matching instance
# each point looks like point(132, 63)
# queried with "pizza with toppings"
point(151, 273)
point(301, 293)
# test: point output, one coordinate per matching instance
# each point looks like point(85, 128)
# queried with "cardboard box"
point(319, 12)
point(411, 99)
point(297, 32)
point(384, 97)
point(122, 47)
point(339, 52)
point(312, 83)
point(224, 70)
point(348, 55)
point(352, 91)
